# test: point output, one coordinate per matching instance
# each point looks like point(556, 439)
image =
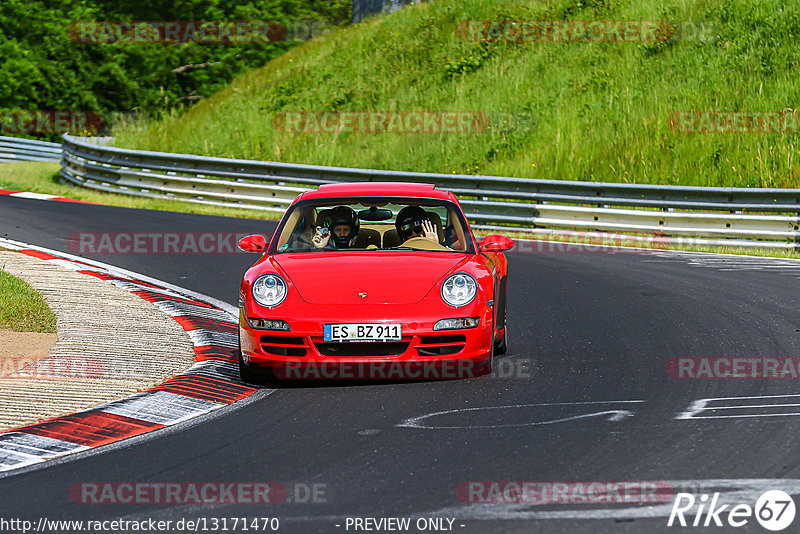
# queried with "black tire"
point(246, 373)
point(254, 376)
point(492, 357)
point(501, 347)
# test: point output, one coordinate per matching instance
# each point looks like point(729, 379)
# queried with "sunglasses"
point(413, 225)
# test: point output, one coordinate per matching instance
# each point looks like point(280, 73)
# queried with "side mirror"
point(496, 243)
point(253, 243)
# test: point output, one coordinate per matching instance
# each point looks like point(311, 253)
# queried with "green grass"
point(21, 308)
point(43, 177)
point(598, 111)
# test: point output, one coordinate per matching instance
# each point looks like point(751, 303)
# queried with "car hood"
point(399, 277)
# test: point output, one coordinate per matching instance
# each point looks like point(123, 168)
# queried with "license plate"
point(363, 332)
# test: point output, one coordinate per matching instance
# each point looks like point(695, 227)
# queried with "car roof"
point(382, 189)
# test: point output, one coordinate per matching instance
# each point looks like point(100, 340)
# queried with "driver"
point(342, 229)
point(416, 230)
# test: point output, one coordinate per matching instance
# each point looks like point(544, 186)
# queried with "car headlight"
point(459, 289)
point(268, 324)
point(269, 290)
point(456, 324)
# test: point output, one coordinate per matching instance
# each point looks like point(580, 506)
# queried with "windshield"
point(373, 224)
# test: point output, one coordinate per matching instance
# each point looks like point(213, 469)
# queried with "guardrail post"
point(797, 234)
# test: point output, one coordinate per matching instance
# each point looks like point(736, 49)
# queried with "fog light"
point(269, 324)
point(457, 324)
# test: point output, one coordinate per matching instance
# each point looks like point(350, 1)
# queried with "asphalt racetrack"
point(584, 395)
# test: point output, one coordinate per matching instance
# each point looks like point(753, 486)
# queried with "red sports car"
point(373, 281)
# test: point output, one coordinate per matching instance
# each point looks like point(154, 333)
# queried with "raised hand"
point(429, 231)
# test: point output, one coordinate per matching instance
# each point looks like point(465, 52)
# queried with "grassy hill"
point(578, 110)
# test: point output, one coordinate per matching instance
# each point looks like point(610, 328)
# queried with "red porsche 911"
point(373, 281)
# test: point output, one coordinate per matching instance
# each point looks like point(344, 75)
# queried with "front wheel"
point(500, 347)
point(254, 376)
point(247, 374)
point(492, 361)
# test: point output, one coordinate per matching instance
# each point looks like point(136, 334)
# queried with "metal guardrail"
point(709, 215)
point(19, 149)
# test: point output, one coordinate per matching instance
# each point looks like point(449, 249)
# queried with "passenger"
point(342, 229)
point(415, 229)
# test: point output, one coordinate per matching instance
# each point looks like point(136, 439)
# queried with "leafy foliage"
point(44, 66)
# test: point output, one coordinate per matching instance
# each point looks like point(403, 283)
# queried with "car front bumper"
point(422, 353)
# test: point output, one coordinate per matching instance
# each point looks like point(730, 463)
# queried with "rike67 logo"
point(774, 510)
